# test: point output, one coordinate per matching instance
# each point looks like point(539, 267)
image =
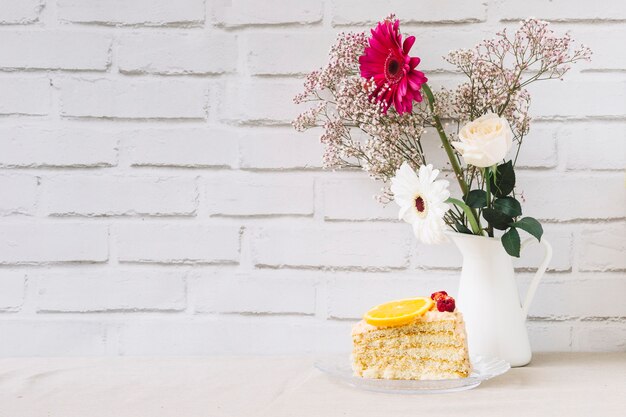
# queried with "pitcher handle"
point(530, 294)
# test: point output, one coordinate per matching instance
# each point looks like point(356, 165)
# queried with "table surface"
point(554, 384)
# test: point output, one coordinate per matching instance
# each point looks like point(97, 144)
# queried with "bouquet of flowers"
point(374, 106)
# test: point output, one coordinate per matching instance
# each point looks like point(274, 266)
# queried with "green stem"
point(487, 174)
point(458, 173)
point(468, 213)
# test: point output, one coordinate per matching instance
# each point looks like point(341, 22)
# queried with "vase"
point(495, 318)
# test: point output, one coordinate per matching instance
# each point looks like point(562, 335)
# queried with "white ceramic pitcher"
point(489, 300)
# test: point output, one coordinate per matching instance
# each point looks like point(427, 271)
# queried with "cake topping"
point(438, 295)
point(398, 313)
point(446, 304)
point(443, 301)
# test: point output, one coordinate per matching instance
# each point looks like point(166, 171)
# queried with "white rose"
point(485, 141)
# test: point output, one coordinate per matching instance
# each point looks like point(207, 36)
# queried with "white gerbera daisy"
point(422, 201)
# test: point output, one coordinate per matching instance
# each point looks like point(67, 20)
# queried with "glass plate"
point(338, 367)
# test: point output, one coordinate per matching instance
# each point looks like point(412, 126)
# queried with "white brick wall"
point(155, 200)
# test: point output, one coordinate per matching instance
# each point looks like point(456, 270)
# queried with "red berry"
point(446, 304)
point(437, 295)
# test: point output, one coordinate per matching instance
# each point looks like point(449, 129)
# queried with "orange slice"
point(398, 313)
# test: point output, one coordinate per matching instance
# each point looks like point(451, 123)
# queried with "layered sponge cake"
point(419, 338)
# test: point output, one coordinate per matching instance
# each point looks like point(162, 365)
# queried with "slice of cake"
point(417, 338)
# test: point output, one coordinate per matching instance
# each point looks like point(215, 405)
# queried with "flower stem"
point(487, 174)
point(472, 216)
point(444, 140)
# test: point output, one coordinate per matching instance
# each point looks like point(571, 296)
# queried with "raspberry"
point(437, 295)
point(446, 304)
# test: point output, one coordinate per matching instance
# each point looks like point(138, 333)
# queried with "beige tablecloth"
point(553, 385)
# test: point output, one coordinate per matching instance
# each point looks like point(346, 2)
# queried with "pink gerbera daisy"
point(387, 62)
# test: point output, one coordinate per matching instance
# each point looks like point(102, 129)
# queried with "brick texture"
point(57, 146)
point(20, 11)
point(185, 243)
point(177, 54)
point(66, 50)
point(114, 196)
point(25, 96)
point(155, 199)
point(181, 147)
point(30, 243)
point(259, 194)
point(113, 290)
point(133, 12)
point(251, 12)
point(132, 99)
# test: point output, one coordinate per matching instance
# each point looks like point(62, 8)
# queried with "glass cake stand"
point(338, 367)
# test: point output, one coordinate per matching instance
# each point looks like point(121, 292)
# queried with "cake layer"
point(446, 339)
point(431, 347)
point(415, 351)
point(404, 367)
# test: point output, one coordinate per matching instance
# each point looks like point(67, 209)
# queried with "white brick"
point(260, 101)
point(232, 335)
point(594, 146)
point(251, 12)
point(30, 96)
point(602, 247)
point(18, 194)
point(110, 290)
point(181, 147)
point(339, 245)
point(357, 12)
point(603, 41)
point(132, 12)
point(187, 53)
point(572, 196)
point(560, 238)
point(562, 10)
point(182, 243)
point(576, 98)
point(447, 256)
point(435, 154)
point(133, 99)
point(433, 44)
point(259, 194)
point(70, 195)
point(550, 336)
point(600, 336)
point(350, 295)
point(262, 148)
point(11, 290)
point(308, 51)
point(557, 297)
point(20, 11)
point(227, 291)
point(444, 255)
point(353, 199)
point(64, 146)
point(538, 147)
point(59, 337)
point(28, 243)
point(49, 49)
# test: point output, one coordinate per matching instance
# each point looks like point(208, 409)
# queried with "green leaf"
point(503, 180)
point(468, 213)
point(508, 205)
point(530, 225)
point(476, 199)
point(461, 228)
point(496, 219)
point(511, 242)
